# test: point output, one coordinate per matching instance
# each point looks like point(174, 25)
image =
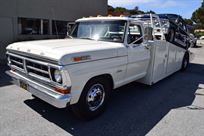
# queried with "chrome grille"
point(37, 69)
point(16, 62)
point(34, 68)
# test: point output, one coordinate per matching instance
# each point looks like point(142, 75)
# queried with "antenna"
point(55, 23)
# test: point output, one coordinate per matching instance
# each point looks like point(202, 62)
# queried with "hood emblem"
point(28, 50)
point(81, 58)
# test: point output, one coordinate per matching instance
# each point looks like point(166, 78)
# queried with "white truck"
point(101, 54)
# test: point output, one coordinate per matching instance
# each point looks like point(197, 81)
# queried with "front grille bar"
point(27, 66)
point(39, 70)
point(17, 62)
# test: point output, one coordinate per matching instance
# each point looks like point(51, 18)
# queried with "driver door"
point(138, 52)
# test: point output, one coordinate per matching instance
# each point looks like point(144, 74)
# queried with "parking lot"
point(174, 106)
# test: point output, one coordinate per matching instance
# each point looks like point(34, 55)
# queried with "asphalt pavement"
point(172, 107)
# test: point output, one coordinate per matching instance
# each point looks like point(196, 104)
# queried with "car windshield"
point(112, 31)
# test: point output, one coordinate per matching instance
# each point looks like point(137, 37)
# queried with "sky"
point(184, 8)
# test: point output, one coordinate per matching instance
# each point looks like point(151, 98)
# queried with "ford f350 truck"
point(101, 54)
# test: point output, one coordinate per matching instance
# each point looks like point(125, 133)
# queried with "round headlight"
point(58, 76)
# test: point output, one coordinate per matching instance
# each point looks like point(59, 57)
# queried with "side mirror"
point(148, 33)
point(69, 28)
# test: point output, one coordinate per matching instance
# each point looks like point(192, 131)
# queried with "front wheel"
point(93, 99)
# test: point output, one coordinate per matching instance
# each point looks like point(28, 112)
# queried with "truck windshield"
point(112, 31)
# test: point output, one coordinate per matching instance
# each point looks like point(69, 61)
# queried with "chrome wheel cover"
point(95, 96)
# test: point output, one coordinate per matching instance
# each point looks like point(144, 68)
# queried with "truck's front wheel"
point(93, 99)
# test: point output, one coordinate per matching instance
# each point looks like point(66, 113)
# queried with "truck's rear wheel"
point(185, 62)
point(93, 99)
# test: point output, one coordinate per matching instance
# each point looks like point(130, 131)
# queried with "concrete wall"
point(200, 42)
point(6, 35)
point(65, 10)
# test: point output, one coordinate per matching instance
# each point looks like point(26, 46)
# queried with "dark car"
point(177, 29)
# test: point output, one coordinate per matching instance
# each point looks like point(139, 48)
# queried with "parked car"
point(177, 29)
point(173, 26)
point(151, 20)
point(202, 38)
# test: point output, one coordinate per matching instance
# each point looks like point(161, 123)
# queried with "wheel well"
point(104, 76)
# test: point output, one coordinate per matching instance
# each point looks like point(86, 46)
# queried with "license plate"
point(23, 85)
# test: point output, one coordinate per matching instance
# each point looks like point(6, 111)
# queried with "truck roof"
point(111, 18)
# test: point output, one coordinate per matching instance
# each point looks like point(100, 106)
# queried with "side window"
point(134, 34)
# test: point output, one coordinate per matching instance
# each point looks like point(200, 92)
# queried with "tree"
point(120, 9)
point(152, 12)
point(189, 22)
point(110, 8)
point(136, 8)
point(198, 16)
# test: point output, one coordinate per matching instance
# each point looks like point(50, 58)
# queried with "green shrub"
point(199, 34)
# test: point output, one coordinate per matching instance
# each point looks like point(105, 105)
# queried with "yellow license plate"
point(23, 85)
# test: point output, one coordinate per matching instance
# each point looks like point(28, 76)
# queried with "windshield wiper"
point(69, 36)
point(86, 38)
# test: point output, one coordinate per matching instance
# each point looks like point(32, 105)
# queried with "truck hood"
point(65, 50)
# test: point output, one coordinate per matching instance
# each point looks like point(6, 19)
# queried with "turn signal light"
point(77, 59)
point(81, 58)
point(62, 90)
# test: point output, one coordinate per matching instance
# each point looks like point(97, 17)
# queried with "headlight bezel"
point(57, 75)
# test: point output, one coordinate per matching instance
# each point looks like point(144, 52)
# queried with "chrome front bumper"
point(45, 93)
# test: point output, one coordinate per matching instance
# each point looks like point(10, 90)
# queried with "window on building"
point(28, 26)
point(59, 27)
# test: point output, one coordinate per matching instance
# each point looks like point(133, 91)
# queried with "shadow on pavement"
point(4, 79)
point(197, 46)
point(133, 110)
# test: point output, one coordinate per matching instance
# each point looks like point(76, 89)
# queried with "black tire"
point(185, 62)
point(195, 44)
point(171, 36)
point(83, 109)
